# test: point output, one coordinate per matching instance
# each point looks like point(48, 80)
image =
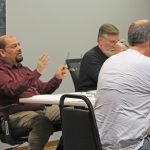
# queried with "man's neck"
point(142, 48)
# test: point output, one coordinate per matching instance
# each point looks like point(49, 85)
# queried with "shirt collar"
point(8, 65)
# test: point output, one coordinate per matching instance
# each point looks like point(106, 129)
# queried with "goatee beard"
point(18, 60)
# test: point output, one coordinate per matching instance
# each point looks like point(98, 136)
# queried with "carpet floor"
point(49, 146)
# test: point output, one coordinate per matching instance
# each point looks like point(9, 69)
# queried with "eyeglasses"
point(112, 43)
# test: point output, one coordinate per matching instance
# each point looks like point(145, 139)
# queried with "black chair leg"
point(60, 144)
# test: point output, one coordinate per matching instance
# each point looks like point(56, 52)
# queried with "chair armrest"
point(6, 108)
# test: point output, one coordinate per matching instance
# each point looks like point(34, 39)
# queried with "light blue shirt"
point(122, 105)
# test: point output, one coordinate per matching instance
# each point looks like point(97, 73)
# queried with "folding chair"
point(79, 128)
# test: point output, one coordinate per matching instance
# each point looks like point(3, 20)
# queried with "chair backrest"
point(74, 68)
point(79, 128)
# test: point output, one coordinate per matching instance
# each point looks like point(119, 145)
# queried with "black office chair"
point(79, 128)
point(16, 137)
point(74, 68)
point(13, 137)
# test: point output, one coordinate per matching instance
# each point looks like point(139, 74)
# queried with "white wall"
point(61, 26)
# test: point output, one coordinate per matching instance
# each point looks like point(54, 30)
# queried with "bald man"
point(122, 105)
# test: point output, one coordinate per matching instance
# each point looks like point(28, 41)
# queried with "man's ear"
point(2, 52)
point(100, 39)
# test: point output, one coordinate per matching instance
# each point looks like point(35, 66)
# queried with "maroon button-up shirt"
point(20, 82)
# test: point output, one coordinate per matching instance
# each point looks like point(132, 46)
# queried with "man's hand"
point(120, 46)
point(61, 72)
point(42, 63)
